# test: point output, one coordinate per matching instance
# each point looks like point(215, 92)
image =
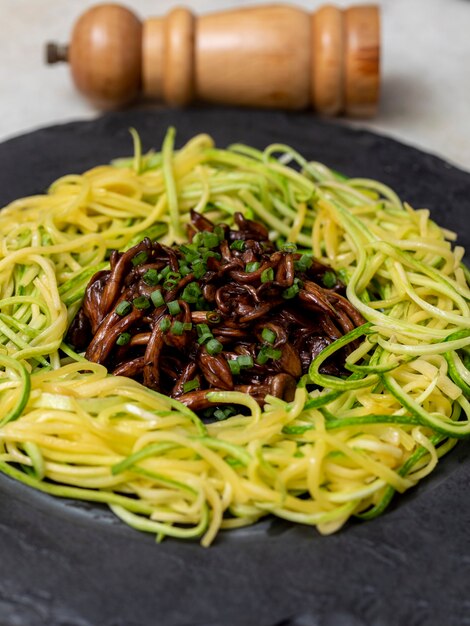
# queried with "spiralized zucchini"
point(342, 450)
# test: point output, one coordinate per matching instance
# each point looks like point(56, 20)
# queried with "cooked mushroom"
point(226, 311)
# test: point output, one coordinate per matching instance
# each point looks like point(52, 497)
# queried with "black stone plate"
point(64, 563)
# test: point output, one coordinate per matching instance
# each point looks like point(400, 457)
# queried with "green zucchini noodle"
point(70, 429)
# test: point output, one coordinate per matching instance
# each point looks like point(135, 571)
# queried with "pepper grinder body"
point(265, 56)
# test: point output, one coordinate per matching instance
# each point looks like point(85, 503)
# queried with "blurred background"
point(425, 68)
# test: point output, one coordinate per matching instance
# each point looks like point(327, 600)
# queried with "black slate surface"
point(70, 564)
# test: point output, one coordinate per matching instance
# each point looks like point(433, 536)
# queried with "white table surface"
point(425, 68)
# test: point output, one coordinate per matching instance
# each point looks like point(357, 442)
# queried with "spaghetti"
point(341, 450)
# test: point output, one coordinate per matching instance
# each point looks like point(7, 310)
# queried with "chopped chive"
point(210, 253)
point(262, 357)
point(187, 326)
point(329, 279)
point(214, 347)
point(190, 385)
point(177, 328)
point(184, 269)
point(170, 284)
point(203, 329)
point(157, 298)
point(213, 317)
point(304, 263)
point(343, 275)
point(266, 353)
point(252, 267)
point(267, 275)
point(220, 414)
point(190, 253)
point(123, 308)
point(289, 247)
point(291, 292)
point(141, 302)
point(140, 258)
point(234, 366)
point(274, 354)
point(174, 307)
point(171, 280)
point(123, 339)
point(210, 240)
point(199, 271)
point(185, 249)
point(191, 293)
point(245, 360)
point(197, 240)
point(223, 414)
point(173, 276)
point(199, 268)
point(204, 338)
point(238, 244)
point(165, 271)
point(219, 231)
point(268, 335)
point(165, 324)
point(150, 277)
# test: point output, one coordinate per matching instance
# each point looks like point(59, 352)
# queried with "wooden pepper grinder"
point(264, 56)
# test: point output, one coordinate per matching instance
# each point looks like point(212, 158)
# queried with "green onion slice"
point(141, 302)
point(190, 385)
point(174, 307)
point(157, 298)
point(213, 317)
point(267, 275)
point(140, 258)
point(304, 263)
point(191, 293)
point(165, 324)
point(268, 335)
point(291, 292)
point(214, 347)
point(289, 247)
point(252, 267)
point(234, 366)
point(266, 353)
point(123, 339)
point(203, 329)
point(245, 360)
point(123, 308)
point(329, 279)
point(151, 277)
point(177, 328)
point(238, 244)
